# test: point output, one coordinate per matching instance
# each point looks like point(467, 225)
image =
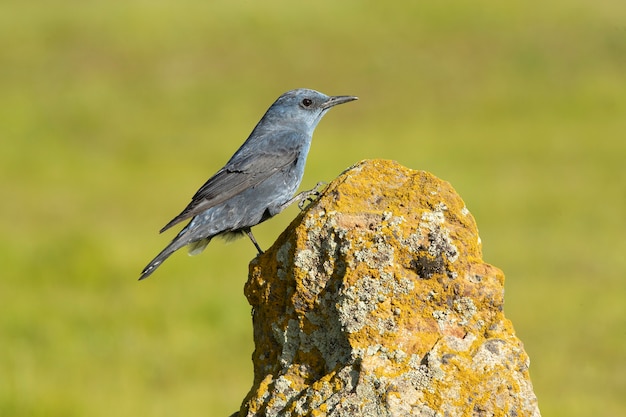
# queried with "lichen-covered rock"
point(376, 302)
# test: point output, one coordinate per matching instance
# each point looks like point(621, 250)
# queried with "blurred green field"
point(113, 113)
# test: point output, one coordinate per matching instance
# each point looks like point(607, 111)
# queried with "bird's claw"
point(307, 200)
point(311, 195)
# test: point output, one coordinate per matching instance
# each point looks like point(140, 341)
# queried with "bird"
point(259, 181)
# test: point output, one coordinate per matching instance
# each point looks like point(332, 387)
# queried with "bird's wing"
point(237, 176)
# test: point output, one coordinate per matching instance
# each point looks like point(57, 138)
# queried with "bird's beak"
point(334, 100)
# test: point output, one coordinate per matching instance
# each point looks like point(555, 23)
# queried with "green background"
point(113, 113)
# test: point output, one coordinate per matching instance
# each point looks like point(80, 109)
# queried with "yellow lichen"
point(380, 284)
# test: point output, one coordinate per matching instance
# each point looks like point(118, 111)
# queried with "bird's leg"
point(251, 236)
point(310, 195)
point(303, 197)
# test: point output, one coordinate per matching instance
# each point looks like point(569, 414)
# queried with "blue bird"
point(260, 179)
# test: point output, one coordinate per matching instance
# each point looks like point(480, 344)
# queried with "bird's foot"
point(307, 197)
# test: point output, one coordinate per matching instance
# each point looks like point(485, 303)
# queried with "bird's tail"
point(158, 260)
point(195, 247)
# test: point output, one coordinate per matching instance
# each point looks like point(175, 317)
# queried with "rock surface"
point(376, 302)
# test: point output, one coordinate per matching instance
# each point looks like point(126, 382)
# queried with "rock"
point(376, 302)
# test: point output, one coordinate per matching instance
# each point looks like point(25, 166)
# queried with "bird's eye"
point(307, 102)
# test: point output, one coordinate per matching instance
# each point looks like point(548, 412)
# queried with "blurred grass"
point(113, 113)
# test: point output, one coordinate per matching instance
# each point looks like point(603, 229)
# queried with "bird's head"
point(303, 108)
